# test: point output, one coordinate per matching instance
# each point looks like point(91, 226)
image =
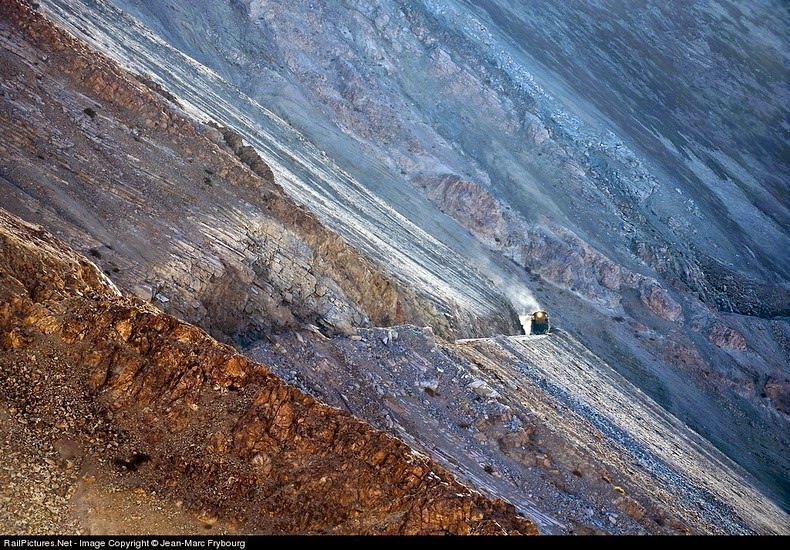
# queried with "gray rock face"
point(629, 157)
point(572, 453)
point(183, 214)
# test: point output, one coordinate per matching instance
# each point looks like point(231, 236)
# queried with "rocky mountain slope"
point(165, 205)
point(107, 386)
point(299, 249)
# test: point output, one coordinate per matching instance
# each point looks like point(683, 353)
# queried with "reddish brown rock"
point(778, 391)
point(658, 300)
point(726, 337)
point(471, 205)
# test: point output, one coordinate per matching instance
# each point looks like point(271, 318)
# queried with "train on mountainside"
point(539, 323)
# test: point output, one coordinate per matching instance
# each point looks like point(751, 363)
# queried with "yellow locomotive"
point(539, 323)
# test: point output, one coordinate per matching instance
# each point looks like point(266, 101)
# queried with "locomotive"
point(539, 323)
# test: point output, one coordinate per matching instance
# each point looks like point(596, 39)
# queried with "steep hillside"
point(480, 151)
point(104, 394)
point(178, 212)
point(365, 198)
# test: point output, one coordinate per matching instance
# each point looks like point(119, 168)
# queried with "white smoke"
point(519, 295)
point(525, 304)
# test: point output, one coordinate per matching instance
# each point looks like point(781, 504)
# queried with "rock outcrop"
point(726, 337)
point(192, 421)
point(549, 251)
point(471, 205)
